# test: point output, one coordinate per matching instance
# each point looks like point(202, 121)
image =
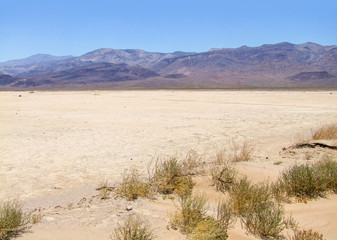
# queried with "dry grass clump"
point(132, 186)
point(13, 220)
point(168, 177)
point(325, 132)
point(328, 170)
point(224, 178)
point(192, 163)
point(241, 153)
point(307, 235)
point(225, 214)
point(133, 228)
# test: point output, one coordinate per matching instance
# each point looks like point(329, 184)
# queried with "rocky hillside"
point(270, 65)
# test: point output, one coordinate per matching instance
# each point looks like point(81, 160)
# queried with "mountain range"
point(270, 65)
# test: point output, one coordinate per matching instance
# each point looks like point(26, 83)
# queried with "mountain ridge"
point(270, 65)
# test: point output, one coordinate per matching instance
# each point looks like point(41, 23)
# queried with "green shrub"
point(266, 221)
point(191, 211)
point(133, 228)
point(246, 196)
point(132, 186)
point(328, 170)
point(224, 178)
point(208, 229)
point(303, 181)
point(307, 235)
point(12, 219)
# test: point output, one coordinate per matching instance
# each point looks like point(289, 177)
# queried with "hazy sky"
point(70, 27)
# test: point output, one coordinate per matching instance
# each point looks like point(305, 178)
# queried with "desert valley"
point(63, 154)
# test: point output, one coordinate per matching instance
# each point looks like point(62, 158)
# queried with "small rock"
point(128, 208)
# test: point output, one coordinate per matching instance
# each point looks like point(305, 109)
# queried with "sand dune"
point(57, 146)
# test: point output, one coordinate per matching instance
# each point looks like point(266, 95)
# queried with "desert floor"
point(56, 148)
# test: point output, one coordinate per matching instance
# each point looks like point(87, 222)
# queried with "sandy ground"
point(56, 147)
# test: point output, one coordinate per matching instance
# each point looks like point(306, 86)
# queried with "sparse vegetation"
point(325, 132)
point(307, 235)
point(224, 178)
point(168, 177)
point(192, 163)
point(191, 211)
point(132, 186)
point(208, 229)
point(308, 181)
point(265, 221)
point(225, 214)
point(133, 228)
point(241, 153)
point(13, 220)
point(246, 196)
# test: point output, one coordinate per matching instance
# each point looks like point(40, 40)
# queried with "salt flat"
point(55, 147)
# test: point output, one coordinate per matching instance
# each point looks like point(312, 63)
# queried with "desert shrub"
point(208, 229)
point(246, 196)
point(192, 163)
point(225, 214)
point(132, 186)
point(224, 178)
point(191, 211)
point(303, 181)
point(327, 168)
point(266, 221)
point(307, 235)
point(241, 153)
point(184, 186)
point(12, 219)
point(221, 157)
point(133, 228)
point(168, 177)
point(325, 132)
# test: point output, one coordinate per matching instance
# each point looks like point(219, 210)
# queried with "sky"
point(71, 27)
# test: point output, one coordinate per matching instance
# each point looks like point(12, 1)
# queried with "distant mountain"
point(87, 75)
point(270, 65)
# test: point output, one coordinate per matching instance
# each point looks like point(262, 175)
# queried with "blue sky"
point(70, 27)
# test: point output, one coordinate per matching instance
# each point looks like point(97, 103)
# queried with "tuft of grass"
point(224, 178)
point(133, 228)
point(208, 229)
point(307, 235)
point(241, 153)
point(132, 186)
point(13, 220)
point(325, 132)
point(225, 214)
point(191, 211)
point(192, 163)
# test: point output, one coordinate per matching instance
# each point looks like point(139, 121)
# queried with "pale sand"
point(57, 146)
